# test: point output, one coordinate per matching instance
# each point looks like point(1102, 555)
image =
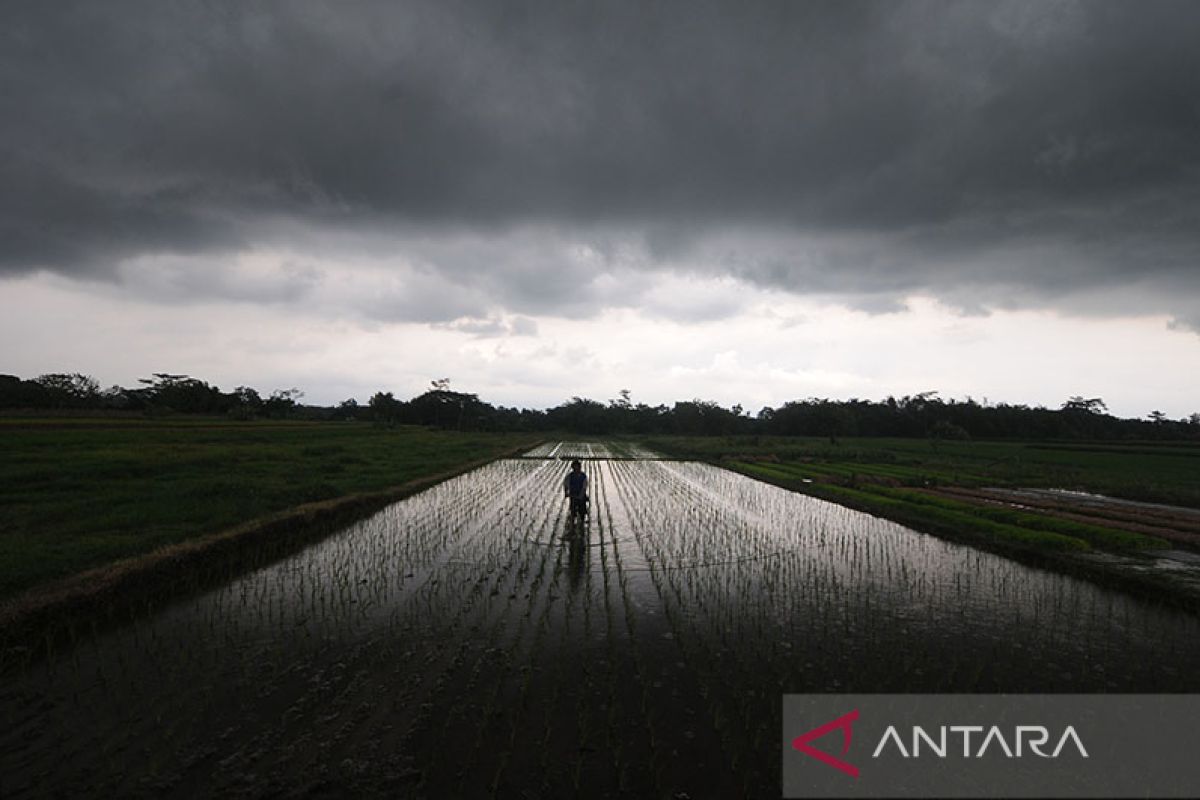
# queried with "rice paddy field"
point(79, 493)
point(469, 641)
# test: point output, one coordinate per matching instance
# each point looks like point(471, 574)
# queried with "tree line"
point(922, 415)
point(163, 393)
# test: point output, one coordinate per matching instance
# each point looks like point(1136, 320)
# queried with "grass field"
point(906, 481)
point(1149, 471)
point(77, 493)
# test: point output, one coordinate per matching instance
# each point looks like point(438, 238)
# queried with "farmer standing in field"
point(575, 486)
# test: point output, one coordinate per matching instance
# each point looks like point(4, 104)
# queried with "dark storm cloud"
point(989, 152)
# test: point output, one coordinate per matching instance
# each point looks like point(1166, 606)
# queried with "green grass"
point(78, 493)
point(1148, 471)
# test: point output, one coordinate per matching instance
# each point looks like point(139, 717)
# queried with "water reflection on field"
point(467, 640)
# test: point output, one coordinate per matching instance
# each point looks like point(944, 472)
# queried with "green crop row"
point(1096, 535)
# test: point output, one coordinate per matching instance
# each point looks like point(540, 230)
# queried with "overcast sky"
point(744, 202)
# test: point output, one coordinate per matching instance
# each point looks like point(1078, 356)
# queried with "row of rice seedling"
point(508, 675)
point(676, 694)
point(570, 450)
point(544, 450)
point(591, 450)
point(705, 669)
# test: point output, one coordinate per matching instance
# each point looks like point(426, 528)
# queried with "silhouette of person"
point(575, 487)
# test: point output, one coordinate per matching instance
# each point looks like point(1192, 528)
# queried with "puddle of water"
point(1089, 498)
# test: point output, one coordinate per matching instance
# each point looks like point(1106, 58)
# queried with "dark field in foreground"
point(79, 492)
point(466, 642)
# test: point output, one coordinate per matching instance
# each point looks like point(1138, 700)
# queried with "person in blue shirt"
point(575, 486)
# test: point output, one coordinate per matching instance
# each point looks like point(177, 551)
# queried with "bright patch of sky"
point(764, 349)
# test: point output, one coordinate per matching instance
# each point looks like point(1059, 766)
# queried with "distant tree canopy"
point(69, 390)
point(162, 393)
point(923, 415)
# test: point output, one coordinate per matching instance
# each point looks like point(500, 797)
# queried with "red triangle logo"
point(844, 722)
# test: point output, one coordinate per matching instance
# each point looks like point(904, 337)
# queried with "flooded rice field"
point(606, 450)
point(469, 641)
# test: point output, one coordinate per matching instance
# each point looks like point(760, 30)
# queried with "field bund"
point(467, 641)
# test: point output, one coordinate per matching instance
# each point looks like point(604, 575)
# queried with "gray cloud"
point(491, 327)
point(991, 153)
point(183, 280)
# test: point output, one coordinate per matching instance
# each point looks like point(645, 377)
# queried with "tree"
point(835, 420)
point(704, 418)
point(347, 409)
point(282, 402)
point(1091, 405)
point(16, 393)
point(167, 391)
point(1157, 417)
point(114, 397)
point(70, 389)
point(582, 415)
point(248, 397)
point(385, 408)
point(245, 403)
